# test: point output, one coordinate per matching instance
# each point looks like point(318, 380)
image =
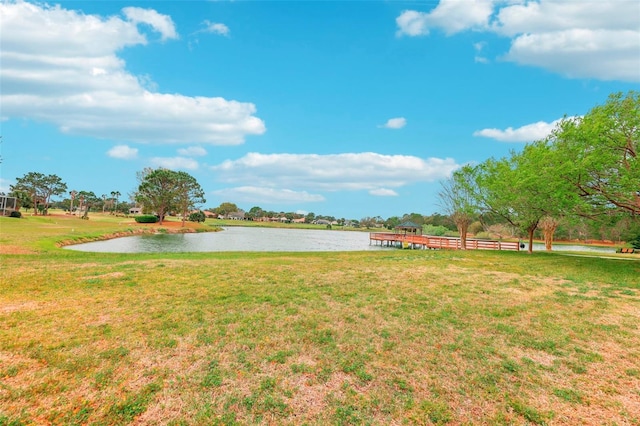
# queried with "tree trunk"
point(463, 228)
point(530, 231)
point(161, 214)
point(549, 226)
point(462, 222)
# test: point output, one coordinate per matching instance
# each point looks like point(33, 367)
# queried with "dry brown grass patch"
point(15, 249)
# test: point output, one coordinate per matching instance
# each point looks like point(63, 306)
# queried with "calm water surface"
point(236, 238)
point(239, 238)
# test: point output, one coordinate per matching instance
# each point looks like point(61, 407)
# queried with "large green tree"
point(601, 155)
point(525, 187)
point(163, 190)
point(504, 193)
point(27, 187)
point(157, 192)
point(188, 194)
point(226, 208)
point(87, 200)
point(52, 185)
point(39, 188)
point(255, 212)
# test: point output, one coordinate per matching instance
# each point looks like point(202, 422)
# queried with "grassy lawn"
point(379, 337)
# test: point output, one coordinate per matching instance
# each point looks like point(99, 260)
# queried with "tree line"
point(35, 191)
point(587, 169)
point(159, 192)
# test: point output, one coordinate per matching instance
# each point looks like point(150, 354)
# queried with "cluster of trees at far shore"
point(586, 171)
point(160, 192)
point(35, 191)
point(581, 182)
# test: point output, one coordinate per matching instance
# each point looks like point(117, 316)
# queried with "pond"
point(236, 238)
point(239, 238)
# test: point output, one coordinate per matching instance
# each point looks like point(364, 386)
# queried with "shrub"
point(146, 218)
point(15, 213)
point(475, 227)
point(635, 243)
point(436, 231)
point(197, 216)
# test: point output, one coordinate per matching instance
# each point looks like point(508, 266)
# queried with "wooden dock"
point(430, 242)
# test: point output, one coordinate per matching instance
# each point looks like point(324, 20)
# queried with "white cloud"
point(335, 172)
point(161, 23)
point(174, 163)
point(548, 16)
point(527, 133)
point(578, 53)
point(123, 152)
point(215, 28)
point(192, 151)
point(266, 195)
point(595, 39)
point(395, 123)
point(75, 80)
point(383, 192)
point(412, 23)
point(452, 16)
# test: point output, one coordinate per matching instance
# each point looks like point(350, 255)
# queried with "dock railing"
point(433, 242)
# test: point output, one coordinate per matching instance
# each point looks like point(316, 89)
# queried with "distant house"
point(135, 210)
point(239, 215)
point(322, 222)
point(299, 220)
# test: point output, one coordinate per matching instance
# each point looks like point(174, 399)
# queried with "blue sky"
point(349, 109)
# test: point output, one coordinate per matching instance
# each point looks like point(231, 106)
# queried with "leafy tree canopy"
point(226, 208)
point(601, 154)
point(162, 191)
point(39, 188)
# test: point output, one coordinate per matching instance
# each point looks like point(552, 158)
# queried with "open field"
point(380, 337)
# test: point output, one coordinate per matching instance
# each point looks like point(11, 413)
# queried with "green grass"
point(390, 336)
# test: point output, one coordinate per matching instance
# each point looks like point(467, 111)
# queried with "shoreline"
point(130, 233)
